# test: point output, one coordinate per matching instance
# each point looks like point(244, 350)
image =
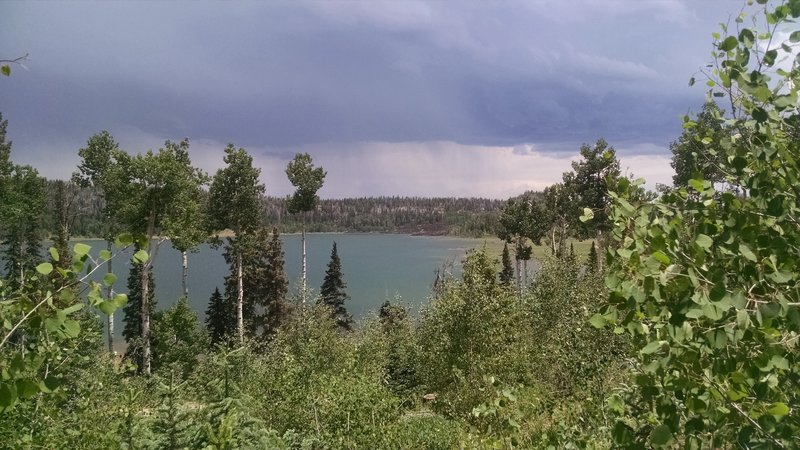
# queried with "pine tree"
point(22, 201)
point(507, 274)
point(591, 261)
point(276, 285)
point(220, 319)
point(332, 293)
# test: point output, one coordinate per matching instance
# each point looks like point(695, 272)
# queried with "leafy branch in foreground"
point(706, 280)
point(37, 325)
point(5, 64)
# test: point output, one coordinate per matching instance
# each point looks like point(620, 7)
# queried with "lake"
point(376, 267)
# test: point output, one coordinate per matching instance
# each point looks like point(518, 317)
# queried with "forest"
point(678, 329)
point(468, 217)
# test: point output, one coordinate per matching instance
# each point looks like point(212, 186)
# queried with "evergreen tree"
point(220, 320)
point(22, 201)
point(275, 286)
point(177, 338)
point(332, 293)
point(265, 283)
point(591, 261)
point(64, 216)
point(507, 274)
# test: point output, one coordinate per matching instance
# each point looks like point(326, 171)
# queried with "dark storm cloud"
point(278, 75)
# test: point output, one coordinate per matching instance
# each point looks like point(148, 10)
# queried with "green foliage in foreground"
point(473, 372)
point(705, 279)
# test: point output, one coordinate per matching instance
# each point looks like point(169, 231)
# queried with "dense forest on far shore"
point(468, 217)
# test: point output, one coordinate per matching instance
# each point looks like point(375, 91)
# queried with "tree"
point(522, 219)
point(63, 199)
point(189, 232)
point(705, 279)
point(235, 203)
point(589, 182)
point(696, 153)
point(559, 210)
point(146, 194)
point(22, 200)
point(275, 286)
point(220, 320)
point(507, 273)
point(102, 167)
point(177, 339)
point(132, 311)
point(308, 180)
point(264, 281)
point(332, 293)
point(591, 260)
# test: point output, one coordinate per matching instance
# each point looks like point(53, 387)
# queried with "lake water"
point(376, 267)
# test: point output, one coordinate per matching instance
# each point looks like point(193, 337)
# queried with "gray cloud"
point(286, 75)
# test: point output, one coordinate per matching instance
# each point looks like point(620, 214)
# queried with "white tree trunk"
point(146, 317)
point(185, 277)
point(305, 286)
point(110, 324)
point(239, 297)
point(524, 275)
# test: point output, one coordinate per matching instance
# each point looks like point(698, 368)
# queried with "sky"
point(404, 97)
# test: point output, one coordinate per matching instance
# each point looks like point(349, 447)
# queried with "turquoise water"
point(376, 267)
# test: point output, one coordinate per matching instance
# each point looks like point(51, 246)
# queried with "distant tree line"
point(469, 217)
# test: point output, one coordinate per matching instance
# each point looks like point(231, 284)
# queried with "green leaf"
point(704, 241)
point(140, 257)
point(760, 115)
point(8, 395)
point(661, 436)
point(105, 255)
point(109, 279)
point(107, 307)
point(778, 409)
point(81, 249)
point(27, 388)
point(662, 257)
point(729, 43)
point(124, 240)
point(746, 37)
point(624, 252)
point(44, 268)
point(72, 328)
point(651, 347)
point(6, 70)
point(50, 384)
point(781, 276)
point(120, 300)
point(794, 37)
point(622, 434)
point(597, 321)
point(747, 252)
point(72, 309)
point(53, 253)
point(588, 215)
